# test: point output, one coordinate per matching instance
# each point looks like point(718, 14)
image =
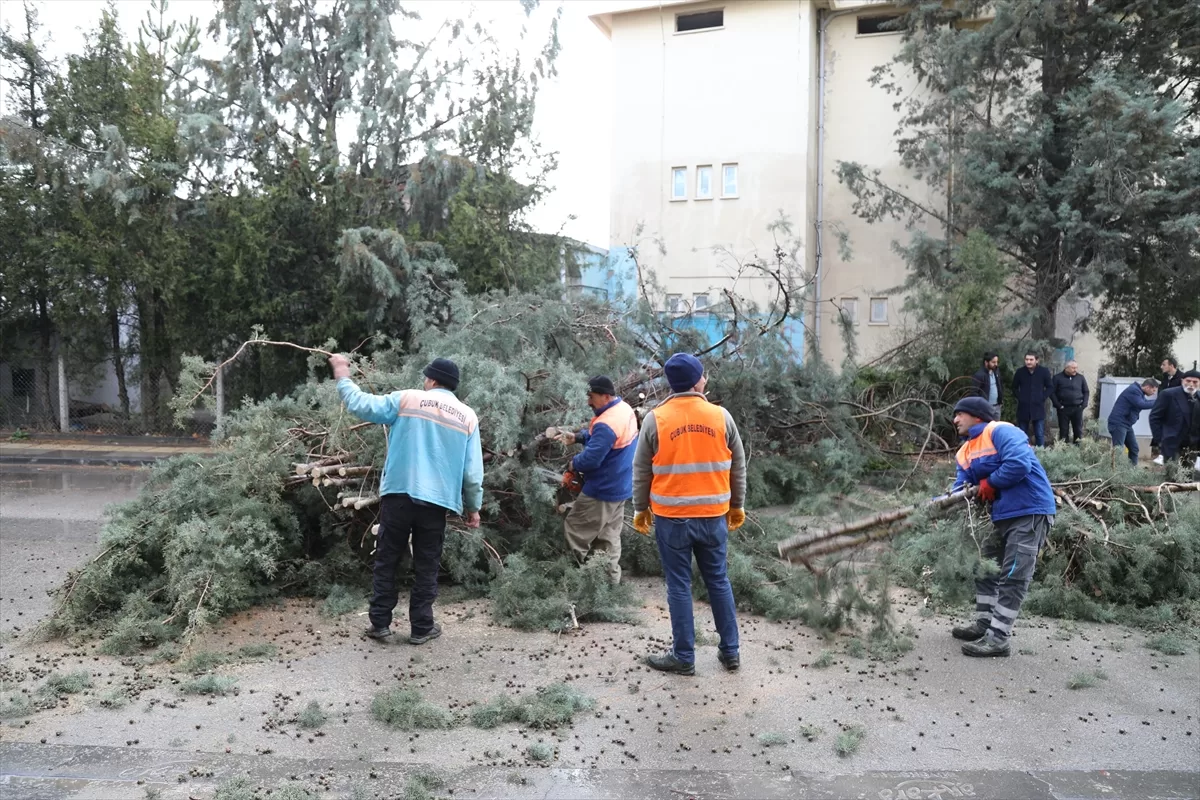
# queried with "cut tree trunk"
point(799, 546)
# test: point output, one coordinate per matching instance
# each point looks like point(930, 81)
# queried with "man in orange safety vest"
point(689, 480)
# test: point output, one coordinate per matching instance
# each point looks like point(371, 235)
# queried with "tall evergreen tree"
point(1064, 129)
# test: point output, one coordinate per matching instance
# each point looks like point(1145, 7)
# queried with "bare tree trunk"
point(118, 359)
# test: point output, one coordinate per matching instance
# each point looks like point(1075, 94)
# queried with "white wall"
point(740, 95)
point(860, 124)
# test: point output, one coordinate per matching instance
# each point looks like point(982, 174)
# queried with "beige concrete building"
point(718, 134)
point(730, 114)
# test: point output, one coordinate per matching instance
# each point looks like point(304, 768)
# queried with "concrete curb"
point(57, 772)
point(85, 461)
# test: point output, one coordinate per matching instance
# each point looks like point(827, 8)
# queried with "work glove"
point(642, 521)
point(987, 493)
point(735, 518)
point(564, 437)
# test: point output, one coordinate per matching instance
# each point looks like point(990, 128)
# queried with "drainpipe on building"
point(823, 20)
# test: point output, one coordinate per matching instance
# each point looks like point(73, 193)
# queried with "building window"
point(704, 182)
point(729, 180)
point(849, 309)
point(674, 303)
point(700, 21)
point(679, 183)
point(700, 302)
point(879, 310)
point(869, 26)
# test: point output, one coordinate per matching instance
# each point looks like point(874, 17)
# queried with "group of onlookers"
point(1174, 402)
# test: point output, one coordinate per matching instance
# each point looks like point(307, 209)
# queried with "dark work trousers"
point(1072, 417)
point(1014, 545)
point(400, 518)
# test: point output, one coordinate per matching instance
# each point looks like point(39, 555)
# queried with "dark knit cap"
point(1191, 373)
point(444, 371)
point(976, 407)
point(602, 384)
point(683, 371)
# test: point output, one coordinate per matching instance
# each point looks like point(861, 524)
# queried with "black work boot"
point(667, 662)
point(731, 662)
point(969, 633)
point(989, 646)
point(378, 634)
point(434, 632)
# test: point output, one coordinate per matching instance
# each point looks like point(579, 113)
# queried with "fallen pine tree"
point(287, 504)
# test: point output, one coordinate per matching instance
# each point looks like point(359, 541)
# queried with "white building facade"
point(729, 115)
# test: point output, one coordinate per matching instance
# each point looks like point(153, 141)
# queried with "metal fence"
point(36, 397)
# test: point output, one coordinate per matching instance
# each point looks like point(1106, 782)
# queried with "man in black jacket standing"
point(987, 383)
point(1175, 421)
point(1032, 385)
point(1069, 394)
point(1172, 378)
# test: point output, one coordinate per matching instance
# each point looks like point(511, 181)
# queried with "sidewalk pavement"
point(95, 454)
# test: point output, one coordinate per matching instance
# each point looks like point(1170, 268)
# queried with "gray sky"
point(574, 114)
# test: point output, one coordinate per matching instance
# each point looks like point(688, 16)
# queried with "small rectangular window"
point(868, 26)
point(729, 180)
point(679, 183)
point(879, 310)
point(700, 302)
point(704, 182)
point(674, 303)
point(700, 21)
point(850, 309)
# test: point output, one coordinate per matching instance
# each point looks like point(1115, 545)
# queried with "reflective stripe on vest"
point(691, 467)
point(438, 407)
point(623, 422)
point(978, 447)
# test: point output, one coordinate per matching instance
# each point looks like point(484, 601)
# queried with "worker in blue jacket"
point(1124, 414)
point(998, 459)
point(594, 523)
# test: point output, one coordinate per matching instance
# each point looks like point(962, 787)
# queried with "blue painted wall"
point(613, 277)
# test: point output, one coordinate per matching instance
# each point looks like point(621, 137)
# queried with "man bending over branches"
point(434, 465)
point(998, 459)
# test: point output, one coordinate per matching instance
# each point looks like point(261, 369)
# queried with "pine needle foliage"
point(209, 684)
point(849, 740)
point(405, 709)
point(549, 707)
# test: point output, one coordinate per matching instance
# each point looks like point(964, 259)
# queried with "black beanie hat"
point(976, 407)
point(444, 371)
point(602, 384)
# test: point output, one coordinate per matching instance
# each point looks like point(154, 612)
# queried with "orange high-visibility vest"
point(691, 467)
point(623, 422)
point(978, 447)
